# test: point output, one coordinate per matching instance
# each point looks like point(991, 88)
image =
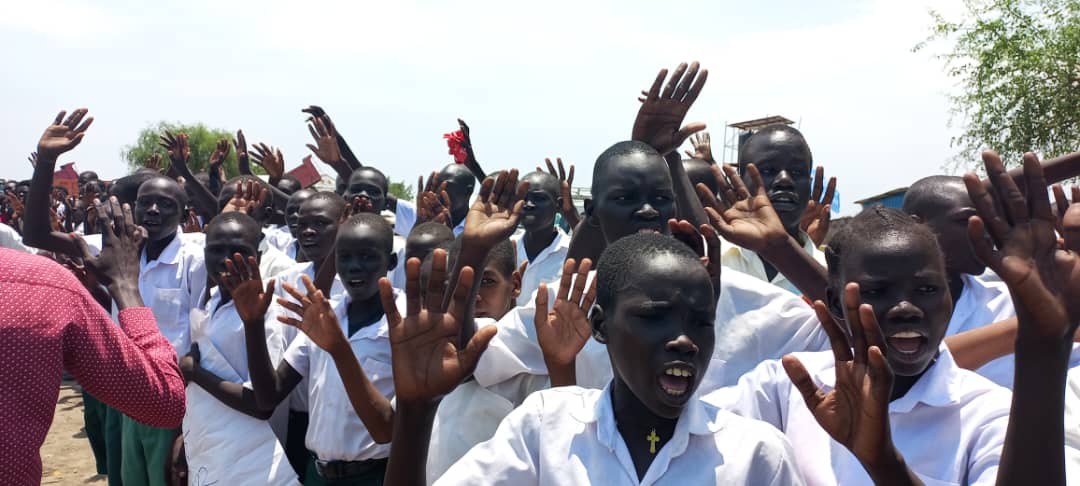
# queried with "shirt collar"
point(698, 418)
point(562, 240)
point(938, 387)
point(377, 330)
point(171, 254)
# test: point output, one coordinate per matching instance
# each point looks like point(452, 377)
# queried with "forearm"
point(586, 242)
point(234, 395)
point(973, 349)
point(265, 381)
point(37, 221)
point(1034, 450)
point(412, 427)
point(561, 374)
point(216, 181)
point(205, 202)
point(892, 471)
point(125, 294)
point(809, 276)
point(686, 200)
point(150, 387)
point(370, 405)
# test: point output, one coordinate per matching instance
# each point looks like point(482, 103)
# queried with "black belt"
point(347, 469)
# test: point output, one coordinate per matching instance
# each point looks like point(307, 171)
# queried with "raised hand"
point(709, 256)
point(177, 147)
point(1044, 280)
point(856, 412)
point(217, 157)
point(317, 318)
point(662, 112)
point(33, 159)
point(326, 144)
point(427, 360)
point(63, 135)
point(564, 330)
point(243, 162)
point(702, 144)
point(470, 161)
point(250, 197)
point(495, 214)
point(242, 280)
point(433, 206)
point(16, 205)
point(568, 211)
point(153, 162)
point(741, 218)
point(191, 222)
point(815, 219)
point(271, 160)
point(121, 245)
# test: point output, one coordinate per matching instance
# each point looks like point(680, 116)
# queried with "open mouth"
point(309, 243)
point(356, 282)
point(784, 201)
point(676, 380)
point(907, 343)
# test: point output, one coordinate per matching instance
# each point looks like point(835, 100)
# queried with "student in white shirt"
point(941, 423)
point(289, 241)
point(943, 204)
point(784, 161)
point(248, 194)
point(346, 449)
point(647, 427)
point(226, 437)
point(460, 184)
point(543, 245)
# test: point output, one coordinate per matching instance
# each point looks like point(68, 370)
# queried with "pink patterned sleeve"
point(130, 367)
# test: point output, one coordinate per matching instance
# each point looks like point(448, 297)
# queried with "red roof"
point(307, 174)
point(67, 171)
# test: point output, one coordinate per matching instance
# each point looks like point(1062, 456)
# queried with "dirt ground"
point(66, 457)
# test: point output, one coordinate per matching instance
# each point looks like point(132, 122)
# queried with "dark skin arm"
point(343, 146)
point(658, 124)
point(751, 222)
point(1044, 281)
point(179, 152)
point(243, 282)
point(470, 162)
point(586, 242)
point(567, 209)
point(243, 161)
point(234, 395)
point(214, 166)
point(428, 361)
point(61, 136)
point(319, 322)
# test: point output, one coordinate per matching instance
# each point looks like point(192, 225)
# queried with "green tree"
point(1017, 64)
point(401, 190)
point(201, 139)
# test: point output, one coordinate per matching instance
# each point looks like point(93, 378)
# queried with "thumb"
point(80, 243)
point(801, 379)
point(540, 317)
point(469, 356)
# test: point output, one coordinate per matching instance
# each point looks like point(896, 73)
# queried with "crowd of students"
point(699, 323)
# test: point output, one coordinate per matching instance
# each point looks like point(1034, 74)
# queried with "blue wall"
point(891, 201)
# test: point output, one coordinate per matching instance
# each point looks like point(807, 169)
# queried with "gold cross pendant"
point(653, 439)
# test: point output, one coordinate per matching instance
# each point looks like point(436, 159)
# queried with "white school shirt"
point(545, 268)
point(335, 432)
point(1072, 418)
point(405, 219)
point(279, 236)
point(755, 321)
point(746, 261)
point(9, 238)
point(222, 444)
point(172, 285)
point(397, 274)
point(984, 302)
point(471, 413)
point(950, 426)
point(568, 435)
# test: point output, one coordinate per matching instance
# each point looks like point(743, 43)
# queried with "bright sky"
point(556, 78)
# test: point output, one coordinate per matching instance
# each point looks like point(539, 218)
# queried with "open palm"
point(495, 214)
point(564, 330)
point(745, 219)
point(64, 134)
point(244, 283)
point(659, 120)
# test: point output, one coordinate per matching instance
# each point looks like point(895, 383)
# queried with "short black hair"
point(927, 193)
point(126, 189)
point(251, 227)
point(871, 225)
point(766, 132)
point(368, 168)
point(438, 231)
point(628, 147)
point(503, 257)
point(622, 259)
point(548, 182)
point(331, 196)
point(181, 195)
point(373, 221)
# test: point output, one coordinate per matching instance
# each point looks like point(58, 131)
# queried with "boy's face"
point(158, 208)
point(317, 222)
point(541, 203)
point(659, 333)
point(292, 210)
point(949, 221)
point(637, 196)
point(498, 293)
point(784, 163)
point(362, 259)
point(225, 239)
point(459, 186)
point(903, 279)
point(369, 186)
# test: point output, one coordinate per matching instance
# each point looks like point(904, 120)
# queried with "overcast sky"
point(557, 78)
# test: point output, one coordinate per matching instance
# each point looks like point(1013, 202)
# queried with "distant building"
point(306, 173)
point(889, 199)
point(68, 178)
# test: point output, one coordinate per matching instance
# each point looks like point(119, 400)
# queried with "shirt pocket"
point(167, 306)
